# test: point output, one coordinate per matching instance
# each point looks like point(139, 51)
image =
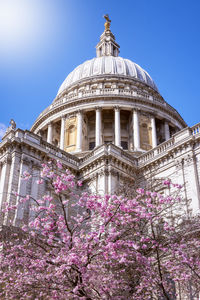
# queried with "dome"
point(107, 65)
point(108, 99)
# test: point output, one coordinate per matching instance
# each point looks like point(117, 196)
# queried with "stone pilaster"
point(192, 181)
point(22, 191)
point(12, 187)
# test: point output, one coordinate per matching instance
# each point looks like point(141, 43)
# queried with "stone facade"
point(101, 169)
point(108, 124)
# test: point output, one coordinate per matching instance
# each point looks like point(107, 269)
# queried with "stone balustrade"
point(105, 91)
point(195, 129)
point(107, 150)
point(183, 135)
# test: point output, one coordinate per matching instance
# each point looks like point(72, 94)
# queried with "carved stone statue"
point(11, 127)
point(12, 124)
point(108, 21)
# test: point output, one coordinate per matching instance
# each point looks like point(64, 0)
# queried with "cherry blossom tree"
point(84, 246)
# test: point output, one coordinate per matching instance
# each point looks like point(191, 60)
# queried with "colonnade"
point(98, 129)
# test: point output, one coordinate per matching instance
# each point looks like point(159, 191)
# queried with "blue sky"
point(42, 41)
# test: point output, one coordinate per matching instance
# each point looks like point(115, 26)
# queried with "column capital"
point(79, 111)
point(166, 120)
point(152, 114)
point(117, 108)
point(136, 109)
point(63, 116)
point(98, 108)
point(6, 160)
point(72, 114)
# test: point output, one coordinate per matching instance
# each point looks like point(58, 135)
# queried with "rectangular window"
point(91, 145)
point(124, 145)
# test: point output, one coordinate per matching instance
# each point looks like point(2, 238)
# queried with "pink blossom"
point(59, 164)
point(40, 181)
point(85, 246)
point(26, 175)
point(167, 182)
point(79, 183)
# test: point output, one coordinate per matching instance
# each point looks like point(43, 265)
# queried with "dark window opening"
point(124, 145)
point(91, 145)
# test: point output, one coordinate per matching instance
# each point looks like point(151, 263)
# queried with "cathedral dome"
point(108, 99)
point(107, 65)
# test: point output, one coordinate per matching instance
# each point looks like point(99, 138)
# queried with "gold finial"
point(108, 21)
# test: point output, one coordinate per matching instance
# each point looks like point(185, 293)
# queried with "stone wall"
point(102, 170)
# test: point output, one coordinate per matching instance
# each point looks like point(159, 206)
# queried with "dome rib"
point(107, 65)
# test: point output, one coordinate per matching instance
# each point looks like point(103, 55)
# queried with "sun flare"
point(25, 27)
point(16, 22)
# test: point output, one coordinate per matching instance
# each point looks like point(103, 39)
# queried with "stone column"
point(136, 130)
point(62, 133)
point(79, 131)
point(117, 127)
point(98, 127)
point(153, 128)
point(167, 133)
point(50, 133)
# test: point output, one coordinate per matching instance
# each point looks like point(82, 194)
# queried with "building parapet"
point(106, 150)
point(178, 138)
point(31, 139)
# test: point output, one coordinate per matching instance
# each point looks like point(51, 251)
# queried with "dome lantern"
point(107, 45)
